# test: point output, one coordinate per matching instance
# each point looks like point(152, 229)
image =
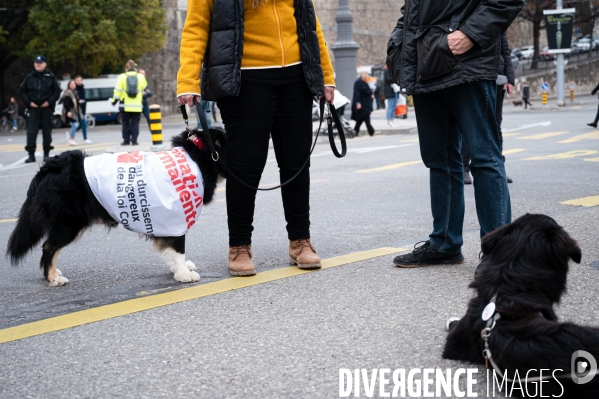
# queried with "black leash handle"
point(215, 156)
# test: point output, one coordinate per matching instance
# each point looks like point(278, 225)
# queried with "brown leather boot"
point(240, 261)
point(303, 254)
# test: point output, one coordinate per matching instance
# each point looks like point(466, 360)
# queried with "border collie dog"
point(524, 276)
point(159, 195)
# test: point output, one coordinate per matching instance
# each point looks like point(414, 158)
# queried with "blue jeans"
point(391, 105)
point(444, 117)
point(83, 128)
point(74, 126)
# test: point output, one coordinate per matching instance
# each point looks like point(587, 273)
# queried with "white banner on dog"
point(159, 194)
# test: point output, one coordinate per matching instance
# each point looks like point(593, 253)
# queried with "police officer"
point(39, 91)
point(129, 91)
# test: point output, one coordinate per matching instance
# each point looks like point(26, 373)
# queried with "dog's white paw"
point(58, 281)
point(189, 277)
point(190, 265)
point(59, 272)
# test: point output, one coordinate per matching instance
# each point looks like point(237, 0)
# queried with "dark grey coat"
point(221, 72)
point(419, 57)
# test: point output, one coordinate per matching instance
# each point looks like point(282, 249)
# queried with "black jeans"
point(499, 117)
point(281, 107)
point(597, 116)
point(39, 117)
point(131, 126)
point(365, 120)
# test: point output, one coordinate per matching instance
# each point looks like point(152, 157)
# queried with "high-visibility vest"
point(129, 104)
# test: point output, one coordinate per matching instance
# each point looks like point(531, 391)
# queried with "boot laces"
point(421, 249)
point(241, 250)
point(305, 243)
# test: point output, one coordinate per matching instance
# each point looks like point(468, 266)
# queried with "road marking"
point(591, 159)
point(563, 155)
point(510, 134)
point(586, 136)
point(59, 147)
point(185, 294)
point(586, 201)
point(513, 151)
point(389, 167)
point(416, 140)
point(529, 126)
point(8, 220)
point(542, 136)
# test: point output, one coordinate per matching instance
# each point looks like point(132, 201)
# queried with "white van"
point(97, 93)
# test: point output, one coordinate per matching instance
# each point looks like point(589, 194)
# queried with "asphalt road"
point(288, 337)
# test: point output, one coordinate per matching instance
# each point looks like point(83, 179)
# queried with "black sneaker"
point(125, 143)
point(592, 124)
point(426, 255)
point(481, 265)
point(31, 159)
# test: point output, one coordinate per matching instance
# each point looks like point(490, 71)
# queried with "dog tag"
point(489, 311)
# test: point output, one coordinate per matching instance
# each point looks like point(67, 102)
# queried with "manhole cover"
point(595, 264)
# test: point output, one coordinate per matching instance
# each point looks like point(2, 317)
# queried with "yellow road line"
point(563, 155)
point(586, 201)
point(8, 220)
point(591, 159)
point(168, 298)
point(586, 136)
point(59, 147)
point(513, 151)
point(541, 136)
point(510, 134)
point(389, 167)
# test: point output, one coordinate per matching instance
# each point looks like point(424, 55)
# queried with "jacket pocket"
point(394, 49)
point(435, 59)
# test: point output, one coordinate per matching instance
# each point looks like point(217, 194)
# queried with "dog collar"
point(196, 140)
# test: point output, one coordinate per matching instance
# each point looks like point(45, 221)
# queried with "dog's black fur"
point(527, 270)
point(60, 204)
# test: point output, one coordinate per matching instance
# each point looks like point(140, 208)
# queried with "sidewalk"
point(379, 123)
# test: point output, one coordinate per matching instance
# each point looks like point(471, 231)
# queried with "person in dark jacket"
point(39, 91)
point(390, 97)
point(145, 103)
point(263, 62)
point(594, 124)
point(505, 84)
point(445, 53)
point(13, 112)
point(71, 110)
point(361, 105)
point(82, 108)
point(526, 94)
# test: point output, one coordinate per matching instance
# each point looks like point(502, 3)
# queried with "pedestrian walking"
point(594, 124)
point(264, 86)
point(145, 103)
point(452, 77)
point(83, 108)
point(39, 91)
point(377, 94)
point(390, 97)
point(526, 94)
point(505, 84)
point(71, 110)
point(129, 92)
point(13, 112)
point(361, 107)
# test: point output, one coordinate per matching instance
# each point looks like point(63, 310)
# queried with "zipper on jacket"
point(274, 3)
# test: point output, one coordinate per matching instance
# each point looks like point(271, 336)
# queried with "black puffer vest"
point(221, 72)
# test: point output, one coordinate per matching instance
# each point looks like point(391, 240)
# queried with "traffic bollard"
point(156, 127)
point(571, 95)
point(544, 98)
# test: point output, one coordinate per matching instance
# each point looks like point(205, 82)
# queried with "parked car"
point(516, 52)
point(596, 43)
point(527, 51)
point(515, 61)
point(584, 44)
point(545, 55)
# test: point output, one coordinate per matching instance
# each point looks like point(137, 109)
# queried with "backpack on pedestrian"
point(132, 90)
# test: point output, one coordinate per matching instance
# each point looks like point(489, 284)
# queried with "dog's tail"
point(28, 231)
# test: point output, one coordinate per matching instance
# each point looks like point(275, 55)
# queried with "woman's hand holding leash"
point(188, 99)
point(329, 94)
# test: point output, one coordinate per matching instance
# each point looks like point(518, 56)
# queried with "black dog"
point(60, 205)
point(526, 271)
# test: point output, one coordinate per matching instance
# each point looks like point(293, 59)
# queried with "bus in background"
point(98, 91)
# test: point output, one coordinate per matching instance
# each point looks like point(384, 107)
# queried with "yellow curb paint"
point(563, 155)
point(586, 136)
point(542, 136)
point(8, 220)
point(389, 167)
point(586, 201)
point(591, 159)
point(168, 298)
point(513, 151)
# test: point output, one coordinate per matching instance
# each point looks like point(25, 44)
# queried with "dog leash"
point(485, 334)
point(332, 116)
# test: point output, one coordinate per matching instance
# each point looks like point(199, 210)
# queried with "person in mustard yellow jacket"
point(129, 91)
point(263, 61)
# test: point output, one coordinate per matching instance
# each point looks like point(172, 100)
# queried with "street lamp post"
point(345, 51)
point(560, 70)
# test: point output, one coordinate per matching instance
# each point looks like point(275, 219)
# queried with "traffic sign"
point(545, 86)
point(572, 85)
